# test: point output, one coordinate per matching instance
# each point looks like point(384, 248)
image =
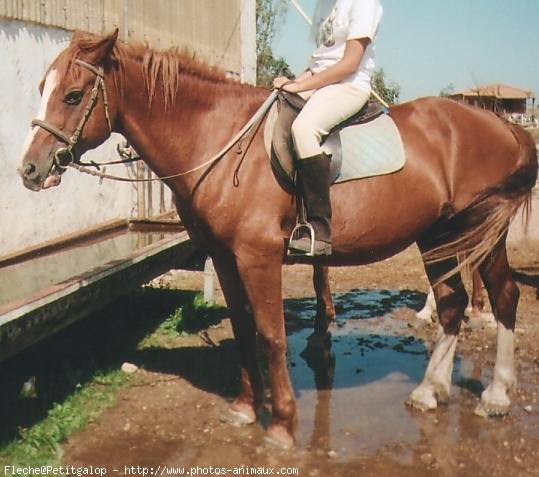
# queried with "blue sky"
point(424, 45)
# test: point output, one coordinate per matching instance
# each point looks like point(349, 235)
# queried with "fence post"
point(209, 282)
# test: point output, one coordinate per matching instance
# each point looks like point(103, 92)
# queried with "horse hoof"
point(423, 400)
point(489, 318)
point(279, 438)
point(486, 410)
point(239, 415)
point(483, 317)
point(495, 401)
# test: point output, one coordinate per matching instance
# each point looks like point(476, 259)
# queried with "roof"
point(500, 91)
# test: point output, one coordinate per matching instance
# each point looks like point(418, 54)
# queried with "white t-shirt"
point(337, 21)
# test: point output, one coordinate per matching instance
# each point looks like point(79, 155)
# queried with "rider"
point(336, 85)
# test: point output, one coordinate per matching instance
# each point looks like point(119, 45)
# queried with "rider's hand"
point(280, 81)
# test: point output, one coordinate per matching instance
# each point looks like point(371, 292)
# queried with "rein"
point(255, 120)
point(64, 158)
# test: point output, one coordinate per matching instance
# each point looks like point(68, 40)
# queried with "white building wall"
point(226, 38)
point(28, 218)
point(248, 41)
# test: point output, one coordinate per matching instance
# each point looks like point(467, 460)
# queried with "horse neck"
point(204, 117)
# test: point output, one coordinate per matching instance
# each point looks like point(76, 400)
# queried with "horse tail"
point(474, 231)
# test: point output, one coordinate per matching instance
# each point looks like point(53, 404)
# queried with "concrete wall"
point(28, 218)
point(221, 32)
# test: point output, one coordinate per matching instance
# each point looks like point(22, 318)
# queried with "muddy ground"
point(352, 414)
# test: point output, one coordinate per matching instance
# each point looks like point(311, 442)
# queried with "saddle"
point(366, 144)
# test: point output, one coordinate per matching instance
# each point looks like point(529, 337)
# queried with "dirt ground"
point(353, 417)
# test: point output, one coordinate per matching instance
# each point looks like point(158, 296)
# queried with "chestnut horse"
point(467, 173)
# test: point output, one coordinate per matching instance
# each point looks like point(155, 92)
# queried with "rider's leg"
point(325, 108)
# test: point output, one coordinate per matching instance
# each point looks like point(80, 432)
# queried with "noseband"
point(63, 156)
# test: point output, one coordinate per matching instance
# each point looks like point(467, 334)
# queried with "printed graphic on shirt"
point(326, 30)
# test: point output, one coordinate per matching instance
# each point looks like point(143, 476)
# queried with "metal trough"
point(45, 289)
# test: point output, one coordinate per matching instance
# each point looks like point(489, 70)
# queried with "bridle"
point(63, 156)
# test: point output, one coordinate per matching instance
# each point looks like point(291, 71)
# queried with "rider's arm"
point(348, 65)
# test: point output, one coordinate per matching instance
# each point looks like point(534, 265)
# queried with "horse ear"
point(95, 52)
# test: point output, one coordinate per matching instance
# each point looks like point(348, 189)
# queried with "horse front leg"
point(261, 277)
point(325, 309)
point(451, 299)
point(476, 310)
point(478, 302)
point(503, 295)
point(244, 408)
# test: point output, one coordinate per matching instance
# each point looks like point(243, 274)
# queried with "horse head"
point(75, 114)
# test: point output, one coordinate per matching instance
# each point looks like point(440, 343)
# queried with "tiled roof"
point(500, 91)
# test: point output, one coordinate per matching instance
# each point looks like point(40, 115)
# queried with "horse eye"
point(73, 97)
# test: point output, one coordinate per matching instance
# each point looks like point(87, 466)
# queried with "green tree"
point(388, 90)
point(269, 17)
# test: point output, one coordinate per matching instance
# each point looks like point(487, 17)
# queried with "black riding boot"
point(314, 185)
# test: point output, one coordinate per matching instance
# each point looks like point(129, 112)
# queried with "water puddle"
point(22, 279)
point(352, 398)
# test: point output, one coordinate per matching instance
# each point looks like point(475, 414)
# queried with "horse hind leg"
point(427, 312)
point(503, 295)
point(475, 310)
point(451, 300)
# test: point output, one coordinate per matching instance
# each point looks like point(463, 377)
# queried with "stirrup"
point(297, 233)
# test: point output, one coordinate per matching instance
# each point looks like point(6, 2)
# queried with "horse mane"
point(159, 67)
point(166, 66)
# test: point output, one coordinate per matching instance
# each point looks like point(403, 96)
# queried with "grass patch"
point(40, 444)
point(193, 316)
point(76, 371)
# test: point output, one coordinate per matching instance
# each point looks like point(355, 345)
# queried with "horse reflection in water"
point(371, 352)
point(321, 360)
point(467, 173)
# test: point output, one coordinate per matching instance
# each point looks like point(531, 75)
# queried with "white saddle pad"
point(365, 150)
point(370, 149)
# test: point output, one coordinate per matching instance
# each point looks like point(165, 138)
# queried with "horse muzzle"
point(37, 176)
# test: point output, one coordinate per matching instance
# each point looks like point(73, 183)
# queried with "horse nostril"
point(29, 170)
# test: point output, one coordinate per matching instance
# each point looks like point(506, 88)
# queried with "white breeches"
point(326, 107)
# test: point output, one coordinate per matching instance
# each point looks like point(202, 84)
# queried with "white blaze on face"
point(51, 81)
